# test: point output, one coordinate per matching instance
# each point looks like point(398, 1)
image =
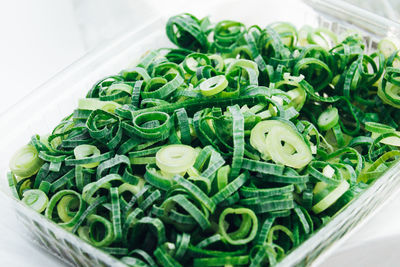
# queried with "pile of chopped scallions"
point(229, 150)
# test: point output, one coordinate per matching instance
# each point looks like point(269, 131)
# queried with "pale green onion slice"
point(328, 119)
point(298, 97)
point(87, 151)
point(213, 85)
point(297, 158)
point(331, 198)
point(258, 135)
point(387, 47)
point(36, 199)
point(267, 137)
point(25, 162)
point(176, 159)
point(94, 103)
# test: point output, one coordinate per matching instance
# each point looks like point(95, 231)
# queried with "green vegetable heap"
point(229, 150)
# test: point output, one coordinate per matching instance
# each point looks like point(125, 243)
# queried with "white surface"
point(384, 251)
point(42, 37)
point(39, 38)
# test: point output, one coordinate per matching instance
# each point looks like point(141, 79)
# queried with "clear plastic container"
point(41, 110)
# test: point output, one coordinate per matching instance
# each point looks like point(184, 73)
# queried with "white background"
point(39, 38)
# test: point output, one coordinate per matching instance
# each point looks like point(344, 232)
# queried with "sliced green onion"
point(175, 159)
point(334, 195)
point(165, 259)
point(247, 230)
point(93, 104)
point(278, 134)
point(196, 192)
point(100, 236)
point(116, 213)
point(25, 162)
point(69, 205)
point(328, 119)
point(213, 85)
point(386, 47)
point(12, 184)
point(376, 127)
point(89, 153)
point(238, 140)
point(36, 199)
point(221, 261)
point(190, 208)
point(230, 188)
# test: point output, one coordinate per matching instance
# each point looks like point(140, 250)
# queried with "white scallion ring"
point(213, 85)
point(175, 159)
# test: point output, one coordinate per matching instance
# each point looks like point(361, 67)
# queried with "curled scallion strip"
point(247, 230)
